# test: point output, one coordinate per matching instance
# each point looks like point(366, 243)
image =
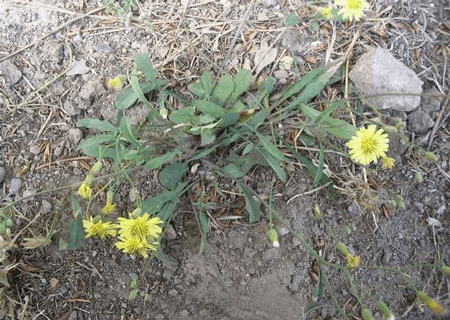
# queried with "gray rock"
point(378, 72)
point(45, 207)
point(71, 108)
point(14, 186)
point(2, 174)
point(54, 51)
point(419, 121)
point(10, 73)
point(170, 233)
point(29, 193)
point(104, 47)
point(431, 104)
point(34, 149)
point(74, 136)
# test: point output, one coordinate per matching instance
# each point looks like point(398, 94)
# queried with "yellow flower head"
point(135, 245)
point(109, 208)
point(140, 227)
point(326, 12)
point(388, 163)
point(352, 8)
point(98, 228)
point(85, 191)
point(353, 261)
point(115, 83)
point(368, 145)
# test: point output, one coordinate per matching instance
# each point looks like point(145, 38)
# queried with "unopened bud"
point(96, 168)
point(445, 270)
point(273, 237)
point(384, 309)
point(367, 314)
point(430, 303)
point(343, 249)
point(418, 177)
point(316, 211)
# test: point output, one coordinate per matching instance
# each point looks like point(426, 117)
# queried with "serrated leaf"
point(182, 115)
point(125, 129)
point(253, 206)
point(126, 98)
point(209, 108)
point(157, 162)
point(154, 204)
point(241, 83)
point(223, 90)
point(273, 162)
point(291, 20)
point(94, 142)
point(101, 125)
point(76, 231)
point(207, 82)
point(233, 170)
point(172, 174)
point(144, 63)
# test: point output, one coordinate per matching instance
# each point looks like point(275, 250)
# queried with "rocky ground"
point(55, 60)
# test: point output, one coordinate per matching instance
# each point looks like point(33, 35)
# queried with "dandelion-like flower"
point(135, 245)
point(353, 261)
point(98, 228)
point(431, 303)
point(352, 8)
point(326, 12)
point(368, 145)
point(388, 163)
point(140, 227)
point(109, 206)
point(115, 83)
point(85, 191)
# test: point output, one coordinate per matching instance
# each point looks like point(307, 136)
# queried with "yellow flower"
point(352, 8)
point(431, 303)
point(353, 261)
point(98, 228)
point(368, 145)
point(115, 83)
point(388, 163)
point(109, 207)
point(85, 191)
point(140, 227)
point(326, 12)
point(135, 245)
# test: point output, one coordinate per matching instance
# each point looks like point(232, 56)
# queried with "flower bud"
point(96, 168)
point(418, 177)
point(445, 270)
point(273, 237)
point(430, 303)
point(316, 211)
point(343, 249)
point(367, 314)
point(384, 309)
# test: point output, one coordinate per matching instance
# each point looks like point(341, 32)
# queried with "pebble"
point(45, 207)
point(29, 193)
point(133, 276)
point(170, 233)
point(14, 186)
point(173, 292)
point(104, 48)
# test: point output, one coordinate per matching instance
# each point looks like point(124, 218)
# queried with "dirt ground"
point(241, 275)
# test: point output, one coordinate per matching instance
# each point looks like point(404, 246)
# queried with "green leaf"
point(233, 170)
point(157, 162)
point(94, 142)
point(62, 245)
point(136, 87)
point(291, 20)
point(247, 161)
point(223, 90)
point(202, 154)
point(318, 292)
point(249, 147)
point(154, 204)
point(76, 231)
point(269, 84)
point(75, 205)
point(101, 125)
point(144, 63)
point(273, 162)
point(126, 98)
point(269, 146)
point(198, 90)
point(167, 211)
point(320, 166)
point(204, 224)
point(172, 174)
point(208, 137)
point(130, 155)
point(164, 258)
point(253, 206)
point(258, 119)
point(182, 115)
point(241, 83)
point(230, 119)
point(207, 82)
point(125, 129)
point(209, 108)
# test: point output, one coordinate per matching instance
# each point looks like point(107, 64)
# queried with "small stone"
point(419, 121)
point(2, 174)
point(10, 73)
point(135, 45)
point(160, 317)
point(45, 207)
point(432, 104)
point(377, 72)
point(34, 149)
point(170, 233)
point(271, 254)
point(74, 135)
point(282, 231)
point(14, 186)
point(104, 47)
point(295, 242)
point(53, 282)
point(71, 108)
point(184, 313)
point(30, 194)
point(173, 292)
point(133, 276)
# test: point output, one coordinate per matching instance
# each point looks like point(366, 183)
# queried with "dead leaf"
point(79, 67)
point(264, 56)
point(33, 243)
point(310, 59)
